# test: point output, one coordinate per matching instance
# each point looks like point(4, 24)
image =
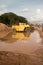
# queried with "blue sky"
point(31, 9)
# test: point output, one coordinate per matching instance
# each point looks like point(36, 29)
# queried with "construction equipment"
point(21, 27)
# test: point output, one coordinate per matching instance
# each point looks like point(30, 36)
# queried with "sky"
point(30, 9)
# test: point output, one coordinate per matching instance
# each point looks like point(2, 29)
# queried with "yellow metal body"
point(20, 27)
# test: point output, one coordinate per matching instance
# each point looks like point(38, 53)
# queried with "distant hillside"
point(11, 18)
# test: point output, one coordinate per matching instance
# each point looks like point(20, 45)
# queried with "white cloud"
point(38, 16)
point(38, 11)
point(24, 9)
point(3, 9)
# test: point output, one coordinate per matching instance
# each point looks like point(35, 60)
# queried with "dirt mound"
point(4, 27)
point(4, 30)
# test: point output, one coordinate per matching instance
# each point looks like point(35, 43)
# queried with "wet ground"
point(29, 44)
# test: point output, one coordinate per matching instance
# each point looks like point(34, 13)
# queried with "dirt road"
point(21, 49)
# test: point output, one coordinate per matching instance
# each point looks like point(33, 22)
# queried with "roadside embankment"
point(4, 30)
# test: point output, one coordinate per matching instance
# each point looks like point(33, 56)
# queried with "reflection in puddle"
point(13, 37)
point(21, 36)
point(21, 42)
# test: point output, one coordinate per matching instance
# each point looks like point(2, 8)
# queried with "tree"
point(11, 18)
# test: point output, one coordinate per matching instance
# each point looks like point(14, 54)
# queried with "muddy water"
point(26, 43)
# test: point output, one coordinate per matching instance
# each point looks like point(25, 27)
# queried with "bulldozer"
point(23, 27)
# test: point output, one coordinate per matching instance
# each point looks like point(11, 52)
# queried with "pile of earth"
point(4, 30)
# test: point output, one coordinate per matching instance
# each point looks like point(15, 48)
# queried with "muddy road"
point(21, 49)
point(21, 42)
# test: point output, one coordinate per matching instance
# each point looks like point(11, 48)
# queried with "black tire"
point(27, 29)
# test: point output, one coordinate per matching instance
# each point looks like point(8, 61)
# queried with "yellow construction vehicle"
point(21, 27)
